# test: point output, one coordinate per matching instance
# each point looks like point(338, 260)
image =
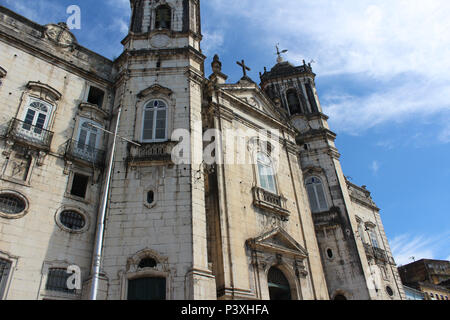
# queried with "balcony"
point(376, 253)
point(327, 219)
point(78, 151)
point(151, 153)
point(30, 134)
point(269, 201)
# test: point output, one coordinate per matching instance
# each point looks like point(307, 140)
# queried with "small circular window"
point(72, 220)
point(389, 291)
point(11, 204)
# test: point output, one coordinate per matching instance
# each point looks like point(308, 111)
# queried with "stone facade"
point(189, 229)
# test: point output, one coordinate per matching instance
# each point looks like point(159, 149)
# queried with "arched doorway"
point(340, 297)
point(279, 288)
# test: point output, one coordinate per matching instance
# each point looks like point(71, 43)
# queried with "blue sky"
point(382, 76)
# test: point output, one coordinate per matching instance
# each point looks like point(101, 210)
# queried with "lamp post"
point(98, 248)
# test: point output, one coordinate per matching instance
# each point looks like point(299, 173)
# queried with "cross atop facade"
point(244, 67)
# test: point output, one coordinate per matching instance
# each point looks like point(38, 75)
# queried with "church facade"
point(217, 190)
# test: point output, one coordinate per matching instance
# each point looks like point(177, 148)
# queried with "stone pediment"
point(254, 97)
point(278, 241)
point(154, 90)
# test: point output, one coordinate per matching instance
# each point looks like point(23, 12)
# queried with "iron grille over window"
point(5, 267)
point(72, 220)
point(57, 280)
point(11, 204)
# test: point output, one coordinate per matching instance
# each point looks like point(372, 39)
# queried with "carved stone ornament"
point(60, 34)
point(160, 41)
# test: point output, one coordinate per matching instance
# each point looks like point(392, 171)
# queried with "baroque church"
point(94, 205)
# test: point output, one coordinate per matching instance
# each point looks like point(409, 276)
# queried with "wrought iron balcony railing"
point(152, 152)
point(269, 201)
point(30, 134)
point(87, 153)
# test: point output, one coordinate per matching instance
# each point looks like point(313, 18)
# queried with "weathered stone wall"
point(36, 241)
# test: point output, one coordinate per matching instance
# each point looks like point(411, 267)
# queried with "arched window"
point(37, 116)
point(266, 173)
point(163, 18)
point(316, 195)
point(293, 102)
point(155, 122)
point(279, 288)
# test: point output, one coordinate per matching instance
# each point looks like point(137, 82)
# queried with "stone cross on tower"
point(244, 68)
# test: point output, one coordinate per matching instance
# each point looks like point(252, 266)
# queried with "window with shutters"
point(266, 173)
point(316, 195)
point(5, 270)
point(35, 119)
point(88, 137)
point(374, 239)
point(154, 127)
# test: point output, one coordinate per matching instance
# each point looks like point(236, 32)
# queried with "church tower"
point(345, 217)
point(156, 228)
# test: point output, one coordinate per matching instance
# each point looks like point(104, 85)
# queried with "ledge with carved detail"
point(376, 253)
point(151, 153)
point(31, 135)
point(327, 219)
point(266, 200)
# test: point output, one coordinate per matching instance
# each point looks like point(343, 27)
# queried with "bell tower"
point(293, 89)
point(157, 24)
point(156, 226)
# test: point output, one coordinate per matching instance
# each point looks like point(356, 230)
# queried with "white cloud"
point(381, 40)
point(212, 42)
point(405, 247)
point(375, 166)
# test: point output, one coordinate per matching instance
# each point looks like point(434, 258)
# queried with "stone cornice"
point(170, 33)
point(47, 56)
point(189, 51)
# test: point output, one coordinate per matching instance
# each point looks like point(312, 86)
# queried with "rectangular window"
point(5, 267)
point(57, 281)
point(96, 96)
point(79, 185)
point(373, 238)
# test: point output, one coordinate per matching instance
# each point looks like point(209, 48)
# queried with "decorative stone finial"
point(216, 65)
